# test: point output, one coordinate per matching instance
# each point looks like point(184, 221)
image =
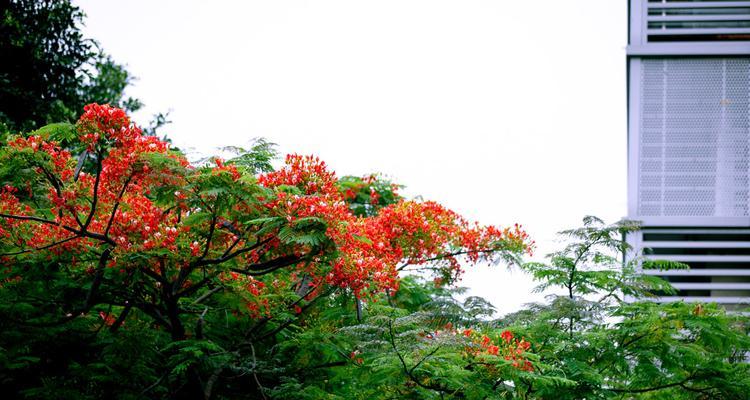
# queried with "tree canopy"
point(104, 228)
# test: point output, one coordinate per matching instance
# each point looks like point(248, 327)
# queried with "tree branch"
point(654, 388)
point(447, 255)
point(288, 322)
point(230, 256)
point(271, 265)
point(97, 278)
point(95, 198)
point(117, 203)
point(42, 220)
point(45, 247)
point(409, 371)
point(120, 319)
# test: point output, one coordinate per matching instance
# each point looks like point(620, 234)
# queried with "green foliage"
point(611, 348)
point(368, 195)
point(405, 346)
point(256, 159)
point(593, 263)
point(309, 231)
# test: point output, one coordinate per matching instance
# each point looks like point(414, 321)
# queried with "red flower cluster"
point(103, 122)
point(509, 347)
point(308, 173)
point(370, 249)
point(115, 205)
point(231, 169)
point(108, 319)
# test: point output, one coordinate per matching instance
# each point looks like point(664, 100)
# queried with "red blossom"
point(108, 319)
point(228, 168)
point(507, 336)
point(509, 348)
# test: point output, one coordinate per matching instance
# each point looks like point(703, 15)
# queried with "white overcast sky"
point(505, 111)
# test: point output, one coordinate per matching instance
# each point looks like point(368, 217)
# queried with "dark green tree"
point(49, 70)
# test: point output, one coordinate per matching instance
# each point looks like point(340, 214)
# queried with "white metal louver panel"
point(697, 20)
point(719, 260)
point(694, 138)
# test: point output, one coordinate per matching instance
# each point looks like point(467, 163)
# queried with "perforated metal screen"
point(694, 131)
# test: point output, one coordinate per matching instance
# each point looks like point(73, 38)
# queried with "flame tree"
point(109, 230)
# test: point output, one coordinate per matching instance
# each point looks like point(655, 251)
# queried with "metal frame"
point(730, 287)
point(702, 299)
point(638, 44)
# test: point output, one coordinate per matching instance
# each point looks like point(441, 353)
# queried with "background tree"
point(49, 71)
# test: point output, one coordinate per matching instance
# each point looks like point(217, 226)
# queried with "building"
point(689, 143)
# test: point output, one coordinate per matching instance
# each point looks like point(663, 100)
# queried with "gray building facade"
point(689, 143)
